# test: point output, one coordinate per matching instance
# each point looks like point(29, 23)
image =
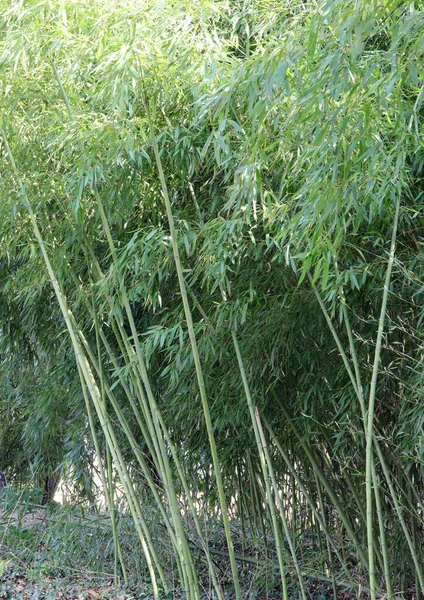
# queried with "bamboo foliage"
point(223, 211)
point(89, 381)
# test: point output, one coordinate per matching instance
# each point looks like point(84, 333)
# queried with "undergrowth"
point(64, 546)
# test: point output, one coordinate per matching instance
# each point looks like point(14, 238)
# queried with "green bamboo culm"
point(371, 409)
point(268, 470)
point(360, 395)
point(280, 506)
point(106, 474)
point(182, 554)
point(196, 356)
point(324, 518)
point(282, 562)
point(107, 484)
point(356, 381)
point(89, 380)
point(128, 353)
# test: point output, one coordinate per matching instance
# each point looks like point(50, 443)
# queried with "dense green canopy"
point(290, 138)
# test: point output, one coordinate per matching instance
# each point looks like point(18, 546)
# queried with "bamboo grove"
point(212, 258)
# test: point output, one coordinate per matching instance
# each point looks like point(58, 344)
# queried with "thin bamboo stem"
point(376, 486)
point(328, 488)
point(107, 481)
point(371, 409)
point(261, 444)
point(106, 487)
point(168, 439)
point(357, 385)
point(305, 493)
point(324, 518)
point(93, 389)
point(279, 505)
point(196, 356)
point(413, 550)
point(187, 566)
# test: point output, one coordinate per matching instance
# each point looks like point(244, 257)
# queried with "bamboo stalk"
point(106, 488)
point(371, 409)
point(261, 441)
point(376, 486)
point(124, 348)
point(305, 493)
point(184, 554)
point(266, 474)
point(357, 385)
point(196, 356)
point(256, 502)
point(93, 389)
point(413, 550)
point(279, 504)
point(324, 518)
point(107, 481)
point(328, 488)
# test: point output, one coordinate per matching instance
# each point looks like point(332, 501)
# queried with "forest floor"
point(29, 566)
point(62, 553)
point(17, 586)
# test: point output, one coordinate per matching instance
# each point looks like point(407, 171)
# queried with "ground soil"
point(18, 583)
